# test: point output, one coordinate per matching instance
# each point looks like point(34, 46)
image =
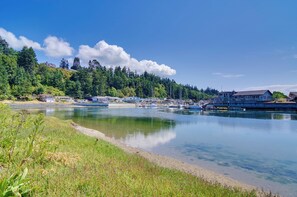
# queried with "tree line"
point(21, 76)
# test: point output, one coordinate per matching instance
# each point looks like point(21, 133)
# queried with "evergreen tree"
point(4, 48)
point(27, 59)
point(76, 64)
point(4, 85)
point(64, 64)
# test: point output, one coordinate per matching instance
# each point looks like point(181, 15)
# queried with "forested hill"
point(21, 76)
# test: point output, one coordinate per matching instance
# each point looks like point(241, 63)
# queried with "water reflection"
point(139, 140)
point(120, 127)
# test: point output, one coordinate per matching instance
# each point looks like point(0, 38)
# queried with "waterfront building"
point(293, 96)
point(46, 98)
point(253, 96)
point(66, 99)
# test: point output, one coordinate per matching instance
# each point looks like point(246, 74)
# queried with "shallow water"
point(258, 148)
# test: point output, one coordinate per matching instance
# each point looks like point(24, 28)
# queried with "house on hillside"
point(99, 99)
point(63, 99)
point(252, 96)
point(132, 99)
point(293, 96)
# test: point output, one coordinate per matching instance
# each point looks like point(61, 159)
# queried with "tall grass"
point(20, 146)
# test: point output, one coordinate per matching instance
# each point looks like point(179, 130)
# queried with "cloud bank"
point(55, 47)
point(113, 55)
point(107, 55)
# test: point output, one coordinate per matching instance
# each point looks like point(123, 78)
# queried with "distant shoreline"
point(38, 104)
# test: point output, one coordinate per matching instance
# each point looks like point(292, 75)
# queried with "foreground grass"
point(77, 165)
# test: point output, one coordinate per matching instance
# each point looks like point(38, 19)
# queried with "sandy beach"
point(171, 163)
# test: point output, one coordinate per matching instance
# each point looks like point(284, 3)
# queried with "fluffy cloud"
point(55, 47)
point(107, 55)
point(282, 88)
point(113, 55)
point(224, 75)
point(18, 43)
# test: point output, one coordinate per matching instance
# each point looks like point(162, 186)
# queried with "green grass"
point(76, 165)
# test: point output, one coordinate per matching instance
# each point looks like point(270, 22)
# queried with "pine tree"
point(76, 64)
point(27, 59)
point(64, 64)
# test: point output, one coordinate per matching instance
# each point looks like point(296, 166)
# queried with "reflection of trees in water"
point(119, 127)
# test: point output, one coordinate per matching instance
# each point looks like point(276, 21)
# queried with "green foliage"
point(278, 95)
point(15, 185)
point(4, 85)
point(64, 64)
point(21, 76)
point(52, 91)
point(20, 147)
point(4, 48)
point(27, 59)
point(160, 91)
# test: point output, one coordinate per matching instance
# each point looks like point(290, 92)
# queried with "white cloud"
point(113, 55)
point(107, 55)
point(282, 88)
point(53, 46)
point(20, 42)
point(224, 75)
point(139, 140)
point(56, 47)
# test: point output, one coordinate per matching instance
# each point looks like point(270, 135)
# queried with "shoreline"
point(171, 163)
point(38, 104)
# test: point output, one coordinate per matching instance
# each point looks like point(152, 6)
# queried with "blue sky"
point(231, 44)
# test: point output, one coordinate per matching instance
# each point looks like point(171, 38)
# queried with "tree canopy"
point(21, 76)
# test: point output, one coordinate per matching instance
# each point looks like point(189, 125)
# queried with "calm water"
point(259, 148)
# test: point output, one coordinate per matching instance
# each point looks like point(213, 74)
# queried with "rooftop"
point(251, 93)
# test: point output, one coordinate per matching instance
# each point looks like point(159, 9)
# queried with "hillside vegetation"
point(21, 76)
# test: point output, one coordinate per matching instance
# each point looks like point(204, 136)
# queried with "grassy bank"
point(62, 162)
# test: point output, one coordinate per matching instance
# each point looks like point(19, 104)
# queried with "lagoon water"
point(258, 148)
